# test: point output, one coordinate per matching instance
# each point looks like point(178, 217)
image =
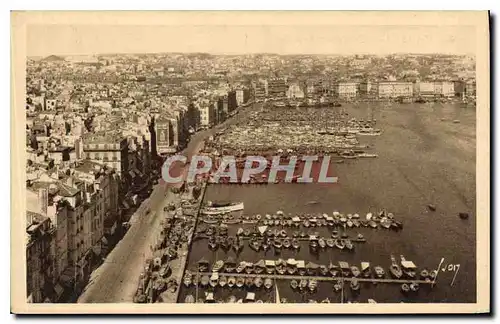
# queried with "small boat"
point(355, 285)
point(231, 282)
point(323, 270)
point(313, 285)
point(214, 280)
point(189, 299)
point(249, 268)
point(333, 270)
point(240, 281)
point(365, 269)
point(241, 267)
point(330, 243)
point(405, 288)
point(222, 281)
point(204, 280)
point(355, 271)
point(349, 245)
point(217, 266)
point(379, 272)
point(258, 282)
point(337, 286)
point(302, 284)
point(268, 283)
point(424, 274)
point(339, 244)
point(295, 244)
point(294, 284)
point(322, 243)
point(287, 243)
point(395, 268)
point(249, 282)
point(335, 234)
point(414, 286)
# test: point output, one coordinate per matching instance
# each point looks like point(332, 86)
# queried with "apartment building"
point(346, 90)
point(395, 89)
point(434, 88)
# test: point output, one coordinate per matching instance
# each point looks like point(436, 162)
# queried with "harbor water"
point(426, 155)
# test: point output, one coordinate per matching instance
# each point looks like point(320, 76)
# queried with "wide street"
point(116, 280)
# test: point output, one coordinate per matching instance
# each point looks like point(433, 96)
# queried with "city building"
point(295, 91)
point(346, 90)
point(277, 88)
point(434, 89)
point(395, 89)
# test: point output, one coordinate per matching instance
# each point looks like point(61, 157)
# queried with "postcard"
point(272, 161)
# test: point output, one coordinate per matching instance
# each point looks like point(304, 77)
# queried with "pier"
point(319, 278)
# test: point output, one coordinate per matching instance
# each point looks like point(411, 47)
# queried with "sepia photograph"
point(287, 159)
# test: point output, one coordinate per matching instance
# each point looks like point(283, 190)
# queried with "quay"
point(318, 278)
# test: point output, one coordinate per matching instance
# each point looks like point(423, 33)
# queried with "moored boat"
point(395, 269)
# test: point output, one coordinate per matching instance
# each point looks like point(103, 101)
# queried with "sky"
point(44, 40)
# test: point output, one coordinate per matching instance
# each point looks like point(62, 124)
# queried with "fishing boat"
point(379, 272)
point(322, 243)
point(222, 208)
point(313, 285)
point(260, 267)
point(344, 267)
point(339, 244)
point(287, 243)
point(395, 268)
point(337, 286)
point(333, 269)
point(188, 278)
point(294, 284)
point(349, 245)
point(222, 281)
point(217, 265)
point(258, 282)
point(355, 271)
point(424, 274)
point(249, 282)
point(355, 285)
point(414, 286)
point(277, 245)
point(330, 243)
point(214, 279)
point(241, 267)
point(204, 280)
point(365, 269)
point(189, 299)
point(231, 281)
point(268, 283)
point(302, 284)
point(202, 265)
point(249, 268)
point(312, 268)
point(295, 244)
point(240, 281)
point(408, 267)
point(212, 244)
point(405, 288)
point(323, 270)
point(255, 245)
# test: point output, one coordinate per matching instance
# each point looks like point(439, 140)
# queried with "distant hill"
point(53, 58)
